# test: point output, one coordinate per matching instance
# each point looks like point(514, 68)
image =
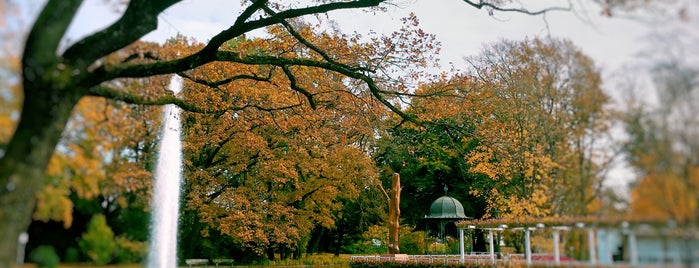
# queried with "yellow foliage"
point(53, 204)
point(668, 196)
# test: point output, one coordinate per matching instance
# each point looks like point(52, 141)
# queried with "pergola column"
point(556, 253)
point(527, 246)
point(591, 246)
point(492, 245)
point(556, 242)
point(461, 244)
point(633, 251)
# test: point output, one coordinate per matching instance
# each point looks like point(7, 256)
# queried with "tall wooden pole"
point(393, 214)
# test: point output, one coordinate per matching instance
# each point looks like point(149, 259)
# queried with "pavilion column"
point(591, 245)
point(610, 240)
point(461, 244)
point(492, 245)
point(556, 251)
point(633, 251)
point(527, 246)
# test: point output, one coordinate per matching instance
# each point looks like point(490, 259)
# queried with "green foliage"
point(429, 158)
point(44, 256)
point(72, 255)
point(98, 241)
point(412, 243)
point(373, 241)
point(313, 260)
point(129, 251)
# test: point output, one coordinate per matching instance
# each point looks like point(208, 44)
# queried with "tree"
point(54, 80)
point(53, 84)
point(279, 168)
point(662, 145)
point(539, 105)
point(98, 241)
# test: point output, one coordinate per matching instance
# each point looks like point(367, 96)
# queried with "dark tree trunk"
point(314, 244)
point(270, 253)
point(479, 241)
point(44, 116)
point(340, 237)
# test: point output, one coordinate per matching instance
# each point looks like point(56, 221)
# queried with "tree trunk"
point(45, 112)
point(340, 237)
point(270, 253)
point(394, 216)
point(314, 244)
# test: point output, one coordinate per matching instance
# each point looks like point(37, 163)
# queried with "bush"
point(72, 255)
point(97, 242)
point(45, 256)
point(412, 243)
point(129, 251)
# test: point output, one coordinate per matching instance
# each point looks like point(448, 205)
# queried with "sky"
point(614, 43)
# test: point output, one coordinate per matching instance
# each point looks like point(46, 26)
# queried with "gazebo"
point(444, 213)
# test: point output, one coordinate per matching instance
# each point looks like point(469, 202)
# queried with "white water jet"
point(166, 192)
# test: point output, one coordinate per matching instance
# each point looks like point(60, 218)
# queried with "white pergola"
point(556, 225)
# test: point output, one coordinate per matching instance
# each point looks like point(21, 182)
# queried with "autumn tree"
point(539, 105)
point(56, 76)
point(102, 166)
point(521, 131)
point(662, 146)
point(271, 171)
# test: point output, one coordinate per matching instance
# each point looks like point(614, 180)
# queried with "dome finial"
point(446, 189)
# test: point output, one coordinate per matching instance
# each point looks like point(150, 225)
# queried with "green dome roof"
point(447, 207)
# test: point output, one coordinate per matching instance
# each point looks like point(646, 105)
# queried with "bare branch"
point(297, 88)
point(481, 4)
point(239, 28)
point(148, 55)
point(120, 95)
point(216, 84)
point(127, 97)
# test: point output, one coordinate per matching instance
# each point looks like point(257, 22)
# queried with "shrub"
point(412, 243)
point(129, 251)
point(97, 242)
point(44, 256)
point(72, 255)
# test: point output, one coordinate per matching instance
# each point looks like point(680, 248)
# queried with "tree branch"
point(118, 95)
point(297, 88)
point(45, 35)
point(110, 93)
point(481, 4)
point(216, 84)
point(240, 27)
point(140, 18)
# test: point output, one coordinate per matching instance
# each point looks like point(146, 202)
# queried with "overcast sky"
point(462, 30)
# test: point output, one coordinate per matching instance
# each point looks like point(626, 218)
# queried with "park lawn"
point(320, 259)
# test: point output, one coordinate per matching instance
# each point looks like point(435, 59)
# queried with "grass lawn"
point(321, 259)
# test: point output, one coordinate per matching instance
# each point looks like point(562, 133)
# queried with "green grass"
point(321, 259)
point(316, 259)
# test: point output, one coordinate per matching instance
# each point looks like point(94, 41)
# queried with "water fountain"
point(166, 192)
